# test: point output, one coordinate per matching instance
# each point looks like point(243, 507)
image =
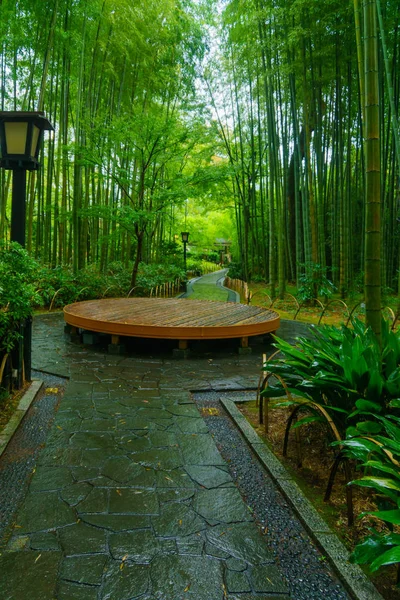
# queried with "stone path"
point(212, 281)
point(131, 498)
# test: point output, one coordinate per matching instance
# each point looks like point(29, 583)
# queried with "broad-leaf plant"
point(357, 382)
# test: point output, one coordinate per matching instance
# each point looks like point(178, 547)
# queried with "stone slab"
point(138, 546)
point(44, 511)
point(267, 579)
point(84, 569)
point(33, 571)
point(81, 538)
point(222, 505)
point(242, 541)
point(177, 520)
point(117, 522)
point(125, 581)
point(130, 501)
point(208, 477)
point(175, 576)
point(199, 450)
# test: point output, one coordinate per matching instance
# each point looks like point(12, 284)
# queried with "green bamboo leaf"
point(280, 404)
point(393, 383)
point(389, 557)
point(369, 427)
point(309, 419)
point(360, 443)
point(389, 444)
point(380, 483)
point(368, 550)
point(352, 432)
point(337, 409)
point(273, 392)
point(375, 385)
point(389, 516)
point(382, 467)
point(362, 404)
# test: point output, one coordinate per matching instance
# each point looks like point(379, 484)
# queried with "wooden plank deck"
point(171, 318)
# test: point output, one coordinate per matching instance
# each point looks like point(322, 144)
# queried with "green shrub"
point(337, 367)
point(151, 276)
point(17, 292)
point(358, 381)
point(235, 271)
point(212, 256)
point(314, 283)
point(376, 445)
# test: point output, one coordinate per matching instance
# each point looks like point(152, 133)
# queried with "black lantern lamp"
point(20, 138)
point(185, 239)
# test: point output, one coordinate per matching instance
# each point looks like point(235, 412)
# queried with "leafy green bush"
point(195, 266)
point(235, 271)
point(59, 286)
point(314, 282)
point(150, 276)
point(357, 381)
point(376, 444)
point(118, 279)
point(212, 256)
point(17, 292)
point(337, 367)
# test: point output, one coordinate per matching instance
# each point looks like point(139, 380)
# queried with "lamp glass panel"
point(35, 137)
point(16, 133)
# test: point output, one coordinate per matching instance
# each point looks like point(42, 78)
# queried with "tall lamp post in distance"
point(185, 239)
point(21, 133)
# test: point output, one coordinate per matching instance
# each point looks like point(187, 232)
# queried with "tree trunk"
point(372, 173)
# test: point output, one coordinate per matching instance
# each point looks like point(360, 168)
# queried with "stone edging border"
point(233, 296)
point(23, 406)
point(353, 578)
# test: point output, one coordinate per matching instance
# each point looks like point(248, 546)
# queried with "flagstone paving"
point(131, 498)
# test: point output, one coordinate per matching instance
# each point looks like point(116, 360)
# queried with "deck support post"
point(244, 347)
point(90, 338)
point(116, 347)
point(183, 349)
point(73, 334)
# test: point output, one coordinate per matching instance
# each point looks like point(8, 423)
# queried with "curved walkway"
point(131, 498)
point(211, 283)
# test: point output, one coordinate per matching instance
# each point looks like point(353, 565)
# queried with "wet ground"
point(131, 498)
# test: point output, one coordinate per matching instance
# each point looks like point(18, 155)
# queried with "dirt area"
point(337, 310)
point(312, 476)
point(9, 403)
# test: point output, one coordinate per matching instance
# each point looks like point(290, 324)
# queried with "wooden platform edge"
point(173, 333)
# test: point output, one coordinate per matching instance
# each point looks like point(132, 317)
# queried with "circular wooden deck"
point(171, 318)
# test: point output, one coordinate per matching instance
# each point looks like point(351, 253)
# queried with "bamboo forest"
point(255, 113)
point(178, 177)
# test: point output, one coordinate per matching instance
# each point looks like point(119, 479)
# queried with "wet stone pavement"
point(131, 498)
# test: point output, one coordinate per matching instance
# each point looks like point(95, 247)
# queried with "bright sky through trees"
point(255, 105)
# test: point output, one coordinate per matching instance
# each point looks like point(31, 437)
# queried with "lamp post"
point(20, 139)
point(185, 239)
